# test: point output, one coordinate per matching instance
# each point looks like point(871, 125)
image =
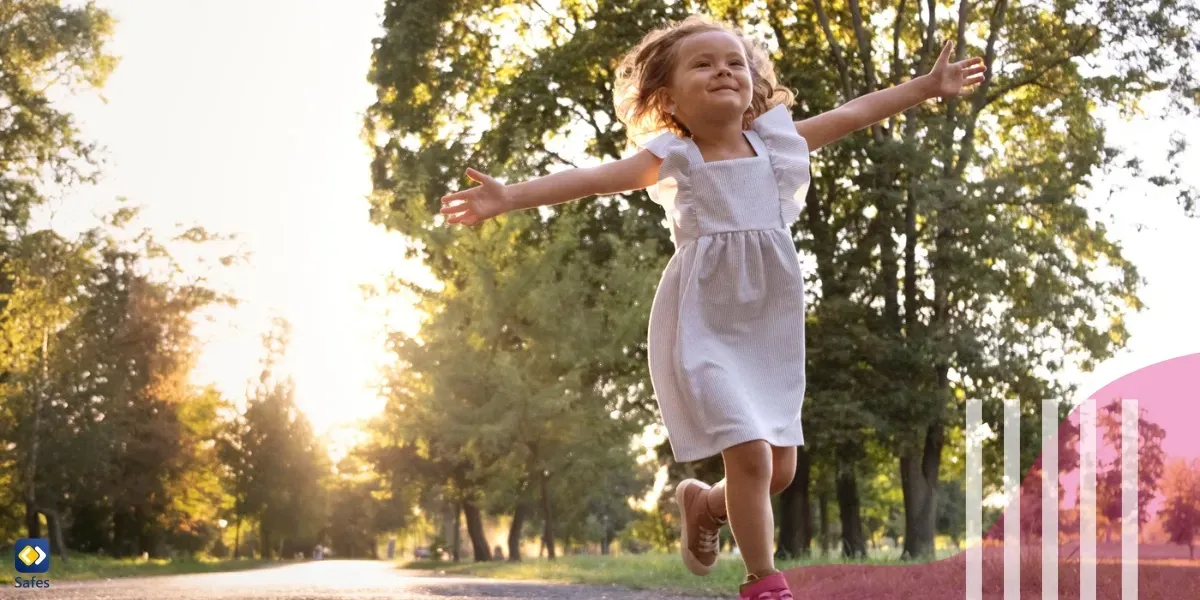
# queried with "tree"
point(354, 509)
point(1149, 471)
point(44, 273)
point(103, 393)
point(45, 47)
point(507, 393)
point(283, 467)
point(1181, 514)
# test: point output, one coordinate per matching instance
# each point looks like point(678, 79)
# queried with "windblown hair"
point(645, 71)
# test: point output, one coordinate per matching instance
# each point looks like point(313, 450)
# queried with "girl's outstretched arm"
point(943, 81)
point(491, 198)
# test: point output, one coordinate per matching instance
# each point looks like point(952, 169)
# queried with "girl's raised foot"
point(700, 530)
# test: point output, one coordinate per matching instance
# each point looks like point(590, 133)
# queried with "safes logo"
point(32, 555)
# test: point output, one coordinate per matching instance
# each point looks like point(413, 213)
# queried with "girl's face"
point(711, 78)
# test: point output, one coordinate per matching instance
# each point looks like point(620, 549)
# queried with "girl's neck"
point(716, 132)
point(721, 141)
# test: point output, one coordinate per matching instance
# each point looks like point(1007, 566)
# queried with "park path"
point(325, 580)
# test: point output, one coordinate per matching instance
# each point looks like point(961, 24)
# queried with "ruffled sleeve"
point(789, 159)
point(673, 190)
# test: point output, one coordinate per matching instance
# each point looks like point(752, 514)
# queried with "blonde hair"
point(645, 71)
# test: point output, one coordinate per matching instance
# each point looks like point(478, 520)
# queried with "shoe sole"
point(689, 560)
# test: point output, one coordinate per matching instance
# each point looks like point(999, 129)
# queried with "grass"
point(664, 572)
point(86, 566)
point(880, 577)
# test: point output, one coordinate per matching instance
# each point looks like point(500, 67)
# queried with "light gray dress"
point(726, 332)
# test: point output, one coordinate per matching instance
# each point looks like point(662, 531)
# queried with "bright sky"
point(245, 117)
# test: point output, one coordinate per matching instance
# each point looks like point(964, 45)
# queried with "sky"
point(245, 117)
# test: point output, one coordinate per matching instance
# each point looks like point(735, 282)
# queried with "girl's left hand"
point(951, 79)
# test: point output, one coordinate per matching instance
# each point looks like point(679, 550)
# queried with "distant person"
point(721, 153)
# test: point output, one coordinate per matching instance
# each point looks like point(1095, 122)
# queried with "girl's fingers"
point(448, 198)
point(477, 176)
point(946, 50)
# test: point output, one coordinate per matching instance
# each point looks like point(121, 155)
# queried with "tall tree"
point(1181, 494)
point(1109, 475)
point(505, 391)
point(46, 47)
point(284, 468)
point(103, 394)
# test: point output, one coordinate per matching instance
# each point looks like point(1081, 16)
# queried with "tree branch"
point(980, 100)
point(864, 46)
point(897, 29)
point(835, 49)
point(868, 62)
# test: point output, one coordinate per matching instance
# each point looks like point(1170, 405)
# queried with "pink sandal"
point(771, 587)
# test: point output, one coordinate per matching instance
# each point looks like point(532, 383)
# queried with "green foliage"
point(279, 469)
point(510, 383)
point(45, 47)
point(106, 428)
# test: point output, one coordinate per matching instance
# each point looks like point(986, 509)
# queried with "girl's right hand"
point(476, 204)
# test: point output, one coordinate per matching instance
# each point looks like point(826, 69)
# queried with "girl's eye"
point(702, 64)
point(736, 63)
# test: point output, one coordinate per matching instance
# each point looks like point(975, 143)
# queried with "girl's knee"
point(780, 479)
point(783, 469)
point(750, 461)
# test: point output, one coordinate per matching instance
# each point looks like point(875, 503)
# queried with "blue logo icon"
point(32, 555)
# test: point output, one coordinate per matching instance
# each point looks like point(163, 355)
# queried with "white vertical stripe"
point(1012, 492)
point(974, 489)
point(1129, 499)
point(1087, 500)
point(1049, 500)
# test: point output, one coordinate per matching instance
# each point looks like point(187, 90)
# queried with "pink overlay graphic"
point(1165, 400)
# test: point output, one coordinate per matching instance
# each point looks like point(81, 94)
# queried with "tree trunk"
point(237, 530)
point(55, 523)
point(479, 542)
point(823, 499)
point(32, 523)
point(456, 539)
point(265, 542)
point(919, 479)
point(795, 507)
point(609, 534)
point(854, 544)
point(514, 532)
point(547, 517)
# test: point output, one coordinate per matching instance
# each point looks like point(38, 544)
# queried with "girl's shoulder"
point(663, 144)
point(778, 132)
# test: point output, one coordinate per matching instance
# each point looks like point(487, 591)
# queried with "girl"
point(726, 331)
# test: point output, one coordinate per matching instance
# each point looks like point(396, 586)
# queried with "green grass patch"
point(663, 572)
point(86, 566)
